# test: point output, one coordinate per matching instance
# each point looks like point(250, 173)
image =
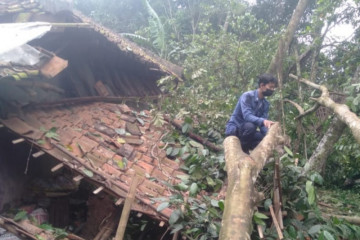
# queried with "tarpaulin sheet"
point(14, 36)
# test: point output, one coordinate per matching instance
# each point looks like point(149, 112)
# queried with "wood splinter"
point(260, 231)
point(57, 167)
point(78, 178)
point(38, 154)
point(99, 189)
point(20, 140)
point(119, 202)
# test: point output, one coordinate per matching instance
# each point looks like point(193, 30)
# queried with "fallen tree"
point(342, 111)
point(242, 171)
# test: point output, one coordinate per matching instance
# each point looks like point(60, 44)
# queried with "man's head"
point(267, 84)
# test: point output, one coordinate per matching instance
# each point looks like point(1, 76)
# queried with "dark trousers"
point(247, 133)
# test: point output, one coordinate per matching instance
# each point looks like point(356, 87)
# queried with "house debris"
point(65, 124)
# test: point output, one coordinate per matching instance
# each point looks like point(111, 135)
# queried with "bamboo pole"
point(281, 236)
point(127, 208)
point(71, 25)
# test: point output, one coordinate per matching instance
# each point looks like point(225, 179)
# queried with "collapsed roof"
point(99, 62)
point(105, 143)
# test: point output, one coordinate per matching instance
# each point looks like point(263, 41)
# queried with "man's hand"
point(268, 123)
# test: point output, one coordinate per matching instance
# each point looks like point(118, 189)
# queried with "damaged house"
point(78, 146)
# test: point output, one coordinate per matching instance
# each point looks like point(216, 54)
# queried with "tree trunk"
point(242, 171)
point(325, 147)
point(285, 41)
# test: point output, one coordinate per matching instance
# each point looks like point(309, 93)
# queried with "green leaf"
point(292, 231)
point(38, 237)
point(317, 178)
point(143, 227)
point(210, 181)
point(258, 220)
point(20, 215)
point(193, 189)
point(120, 164)
point(162, 206)
point(182, 186)
point(169, 151)
point(221, 205)
point(267, 203)
point(185, 128)
point(315, 229)
point(87, 172)
point(311, 192)
point(328, 236)
point(46, 227)
point(214, 203)
point(177, 227)
point(175, 215)
point(175, 152)
point(195, 144)
point(260, 215)
point(288, 151)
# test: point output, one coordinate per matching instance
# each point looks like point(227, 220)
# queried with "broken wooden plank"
point(78, 178)
point(99, 189)
point(16, 141)
point(119, 202)
point(57, 167)
point(127, 208)
point(38, 154)
point(53, 67)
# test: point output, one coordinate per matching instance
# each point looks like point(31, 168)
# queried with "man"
point(251, 112)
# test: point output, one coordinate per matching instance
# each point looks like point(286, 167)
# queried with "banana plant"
point(156, 29)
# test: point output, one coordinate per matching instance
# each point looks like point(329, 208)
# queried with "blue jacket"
point(250, 109)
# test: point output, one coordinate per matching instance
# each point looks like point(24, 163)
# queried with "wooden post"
point(277, 193)
point(127, 208)
point(281, 236)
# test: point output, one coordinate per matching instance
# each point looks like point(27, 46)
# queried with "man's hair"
point(267, 78)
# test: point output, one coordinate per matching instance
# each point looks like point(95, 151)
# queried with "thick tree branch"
point(297, 106)
point(284, 43)
point(341, 110)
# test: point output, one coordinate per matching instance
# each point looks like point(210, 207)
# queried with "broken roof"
point(101, 62)
point(107, 144)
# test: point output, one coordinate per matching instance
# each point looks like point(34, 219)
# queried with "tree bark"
point(242, 171)
point(341, 110)
point(324, 149)
point(285, 41)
